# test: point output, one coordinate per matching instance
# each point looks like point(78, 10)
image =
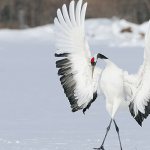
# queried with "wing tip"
point(64, 6)
point(140, 116)
point(85, 4)
point(72, 2)
point(76, 109)
point(61, 55)
point(55, 19)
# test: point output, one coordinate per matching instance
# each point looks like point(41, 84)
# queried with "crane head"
point(94, 59)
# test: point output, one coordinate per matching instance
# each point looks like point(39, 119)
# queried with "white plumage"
point(139, 86)
point(70, 38)
point(80, 77)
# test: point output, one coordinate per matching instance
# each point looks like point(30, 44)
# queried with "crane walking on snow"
point(82, 79)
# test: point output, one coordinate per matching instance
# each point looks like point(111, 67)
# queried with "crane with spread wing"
point(81, 79)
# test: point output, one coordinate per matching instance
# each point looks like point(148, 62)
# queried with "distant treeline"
point(31, 13)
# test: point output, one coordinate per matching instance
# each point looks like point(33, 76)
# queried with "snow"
point(34, 112)
point(108, 31)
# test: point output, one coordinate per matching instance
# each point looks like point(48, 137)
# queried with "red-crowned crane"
point(82, 79)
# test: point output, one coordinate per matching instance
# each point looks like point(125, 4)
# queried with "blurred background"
point(31, 13)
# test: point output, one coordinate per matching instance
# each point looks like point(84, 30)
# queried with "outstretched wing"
point(77, 77)
point(140, 104)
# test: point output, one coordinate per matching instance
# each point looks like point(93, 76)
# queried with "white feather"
point(140, 83)
point(66, 16)
point(61, 19)
point(78, 12)
point(72, 13)
point(70, 38)
point(83, 11)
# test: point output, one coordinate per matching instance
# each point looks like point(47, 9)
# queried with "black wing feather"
point(68, 82)
point(140, 116)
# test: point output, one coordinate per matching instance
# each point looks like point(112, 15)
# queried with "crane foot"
point(101, 148)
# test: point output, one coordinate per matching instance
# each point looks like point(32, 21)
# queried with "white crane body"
point(110, 85)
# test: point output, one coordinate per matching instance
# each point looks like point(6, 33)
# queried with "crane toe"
point(100, 148)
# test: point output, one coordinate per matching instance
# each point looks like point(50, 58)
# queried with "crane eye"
point(92, 60)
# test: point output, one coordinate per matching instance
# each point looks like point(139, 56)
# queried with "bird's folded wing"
point(74, 64)
point(140, 104)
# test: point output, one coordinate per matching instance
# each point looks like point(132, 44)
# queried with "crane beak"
point(101, 56)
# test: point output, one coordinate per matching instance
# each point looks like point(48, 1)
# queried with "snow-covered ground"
point(34, 112)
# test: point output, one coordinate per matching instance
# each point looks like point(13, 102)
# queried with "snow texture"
point(34, 112)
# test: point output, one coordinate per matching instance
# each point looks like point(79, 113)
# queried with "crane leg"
point(117, 129)
point(107, 130)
